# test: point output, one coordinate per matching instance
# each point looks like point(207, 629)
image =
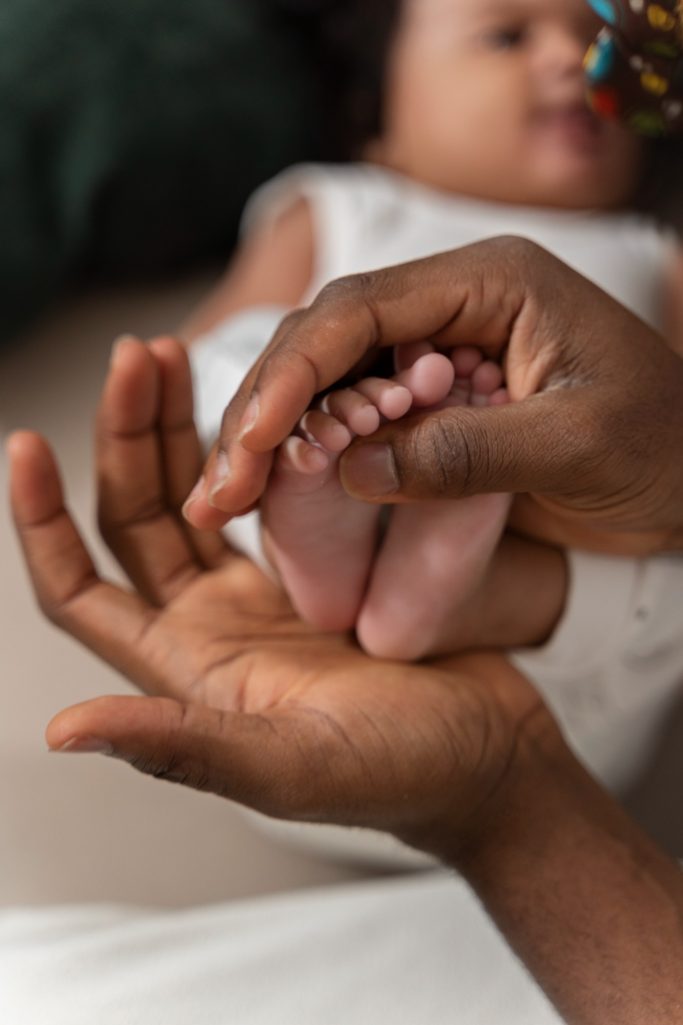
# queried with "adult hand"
point(591, 438)
point(459, 758)
point(245, 700)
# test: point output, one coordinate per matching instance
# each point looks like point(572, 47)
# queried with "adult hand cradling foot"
point(590, 441)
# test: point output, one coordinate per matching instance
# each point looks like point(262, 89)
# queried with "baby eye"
point(506, 38)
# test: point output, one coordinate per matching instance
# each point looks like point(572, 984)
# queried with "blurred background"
point(133, 134)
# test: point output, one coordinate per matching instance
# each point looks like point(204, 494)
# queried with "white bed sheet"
point(415, 950)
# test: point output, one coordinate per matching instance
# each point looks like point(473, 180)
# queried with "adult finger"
point(181, 451)
point(464, 451)
point(252, 759)
point(135, 517)
point(248, 473)
point(475, 295)
point(106, 619)
point(228, 461)
point(574, 450)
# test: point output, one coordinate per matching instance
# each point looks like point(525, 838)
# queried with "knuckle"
point(476, 456)
point(457, 451)
point(289, 323)
point(169, 768)
point(446, 454)
point(57, 611)
point(285, 338)
point(52, 610)
point(524, 248)
point(440, 455)
point(343, 289)
point(518, 249)
point(523, 260)
point(172, 761)
point(353, 290)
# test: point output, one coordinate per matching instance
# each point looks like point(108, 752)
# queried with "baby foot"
point(322, 541)
point(435, 555)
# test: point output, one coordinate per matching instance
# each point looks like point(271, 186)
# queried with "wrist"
point(513, 811)
point(583, 896)
point(519, 736)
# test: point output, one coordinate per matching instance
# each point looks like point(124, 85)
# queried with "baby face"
point(487, 98)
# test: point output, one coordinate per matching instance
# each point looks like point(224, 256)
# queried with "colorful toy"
point(635, 66)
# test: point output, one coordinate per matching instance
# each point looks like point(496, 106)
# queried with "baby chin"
point(578, 162)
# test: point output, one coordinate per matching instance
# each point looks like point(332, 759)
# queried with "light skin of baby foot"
point(314, 532)
point(432, 560)
point(436, 555)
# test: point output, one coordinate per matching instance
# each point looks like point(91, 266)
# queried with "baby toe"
point(465, 360)
point(486, 379)
point(326, 430)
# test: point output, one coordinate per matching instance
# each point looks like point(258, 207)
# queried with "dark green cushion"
point(132, 132)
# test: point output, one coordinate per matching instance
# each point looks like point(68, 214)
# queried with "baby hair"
point(350, 41)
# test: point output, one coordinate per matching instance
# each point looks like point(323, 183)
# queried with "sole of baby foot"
point(435, 556)
point(431, 563)
point(320, 541)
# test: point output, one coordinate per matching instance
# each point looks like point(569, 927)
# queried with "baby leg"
point(436, 554)
point(321, 541)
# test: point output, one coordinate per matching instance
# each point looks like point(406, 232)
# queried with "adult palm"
point(244, 699)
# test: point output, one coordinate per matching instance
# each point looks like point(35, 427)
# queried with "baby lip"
point(575, 121)
point(578, 114)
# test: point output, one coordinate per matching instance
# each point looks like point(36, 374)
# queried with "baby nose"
point(563, 53)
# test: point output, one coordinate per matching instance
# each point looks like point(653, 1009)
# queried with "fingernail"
point(196, 493)
point(370, 470)
point(118, 346)
point(84, 745)
point(219, 477)
point(251, 415)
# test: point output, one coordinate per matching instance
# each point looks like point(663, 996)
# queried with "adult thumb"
point(235, 755)
point(536, 445)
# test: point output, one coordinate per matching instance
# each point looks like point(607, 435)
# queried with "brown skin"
point(581, 371)
point(586, 900)
point(219, 647)
point(460, 757)
point(458, 65)
point(521, 599)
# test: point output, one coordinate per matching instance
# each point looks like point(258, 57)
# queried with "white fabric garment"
point(367, 217)
point(409, 951)
point(614, 666)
